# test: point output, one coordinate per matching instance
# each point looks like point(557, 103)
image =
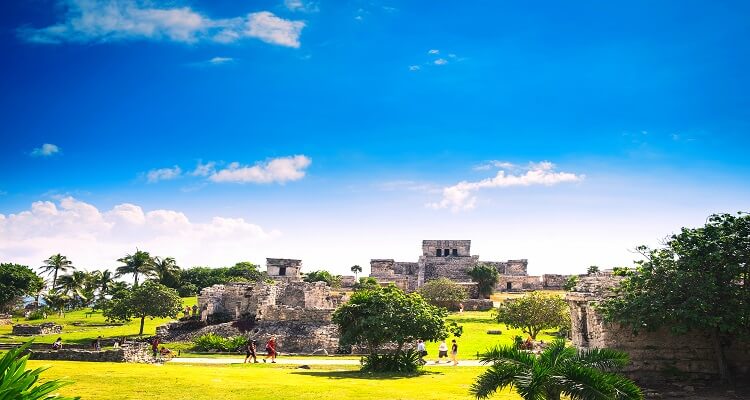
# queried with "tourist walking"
point(58, 344)
point(250, 348)
point(454, 352)
point(97, 343)
point(195, 310)
point(442, 352)
point(271, 350)
point(155, 346)
point(422, 351)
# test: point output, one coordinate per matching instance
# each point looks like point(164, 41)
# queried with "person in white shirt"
point(442, 352)
point(421, 350)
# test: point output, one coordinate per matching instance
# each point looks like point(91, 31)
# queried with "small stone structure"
point(656, 356)
point(36, 329)
point(452, 259)
point(130, 352)
point(285, 269)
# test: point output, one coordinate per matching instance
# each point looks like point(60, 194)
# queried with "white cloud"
point(461, 196)
point(220, 60)
point(95, 239)
point(495, 164)
point(434, 51)
point(272, 29)
point(414, 68)
point(204, 169)
point(279, 170)
point(163, 174)
point(302, 6)
point(441, 61)
point(46, 150)
point(115, 20)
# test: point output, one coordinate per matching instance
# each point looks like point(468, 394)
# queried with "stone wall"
point(460, 248)
point(477, 304)
point(284, 269)
point(554, 281)
point(130, 352)
point(656, 356)
point(36, 329)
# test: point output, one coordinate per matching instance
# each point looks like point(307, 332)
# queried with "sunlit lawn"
point(112, 381)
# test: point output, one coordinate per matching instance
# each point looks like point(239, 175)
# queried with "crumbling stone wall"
point(36, 329)
point(554, 281)
point(130, 352)
point(656, 356)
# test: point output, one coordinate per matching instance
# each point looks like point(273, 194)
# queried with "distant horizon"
point(221, 131)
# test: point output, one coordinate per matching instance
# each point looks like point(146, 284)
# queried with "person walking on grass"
point(271, 350)
point(442, 352)
point(250, 348)
point(422, 351)
point(454, 352)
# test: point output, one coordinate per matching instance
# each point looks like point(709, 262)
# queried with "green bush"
point(214, 342)
point(187, 290)
point(36, 314)
point(405, 362)
point(17, 382)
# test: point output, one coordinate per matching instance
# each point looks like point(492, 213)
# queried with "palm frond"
point(495, 378)
point(507, 355)
point(602, 358)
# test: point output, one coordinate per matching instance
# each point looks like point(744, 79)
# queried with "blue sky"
point(337, 132)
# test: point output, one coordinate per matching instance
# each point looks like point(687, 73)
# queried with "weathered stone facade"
point(452, 259)
point(36, 329)
point(298, 313)
point(284, 269)
point(656, 356)
point(130, 352)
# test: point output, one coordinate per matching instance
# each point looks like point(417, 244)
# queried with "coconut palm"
point(558, 370)
point(76, 286)
point(57, 263)
point(57, 301)
point(138, 263)
point(103, 281)
point(356, 269)
point(165, 269)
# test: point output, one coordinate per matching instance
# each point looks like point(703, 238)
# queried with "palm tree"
point(558, 370)
point(57, 263)
point(356, 269)
point(75, 286)
point(57, 301)
point(165, 269)
point(103, 280)
point(137, 263)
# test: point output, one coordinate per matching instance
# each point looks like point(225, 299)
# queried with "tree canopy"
point(17, 281)
point(55, 264)
point(150, 299)
point(378, 316)
point(443, 292)
point(698, 280)
point(138, 263)
point(486, 278)
point(534, 312)
point(323, 276)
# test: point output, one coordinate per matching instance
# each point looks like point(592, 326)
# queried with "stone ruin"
point(656, 356)
point(36, 329)
point(297, 313)
point(136, 352)
point(452, 259)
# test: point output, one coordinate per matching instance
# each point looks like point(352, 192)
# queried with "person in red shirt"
point(271, 349)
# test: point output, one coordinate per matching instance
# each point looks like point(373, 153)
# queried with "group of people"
point(252, 346)
point(442, 352)
point(186, 311)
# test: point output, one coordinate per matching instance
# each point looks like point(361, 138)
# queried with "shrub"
point(36, 314)
point(443, 292)
point(405, 362)
point(187, 290)
point(17, 382)
point(570, 283)
point(214, 342)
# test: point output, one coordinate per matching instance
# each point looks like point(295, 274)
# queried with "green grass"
point(113, 381)
point(82, 326)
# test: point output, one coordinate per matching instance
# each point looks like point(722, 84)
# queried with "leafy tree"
point(534, 312)
point(356, 269)
point(443, 292)
point(699, 280)
point(17, 281)
point(166, 271)
point(55, 264)
point(203, 277)
point(323, 276)
point(559, 370)
point(150, 299)
point(247, 271)
point(18, 383)
point(388, 315)
point(138, 263)
point(486, 278)
point(570, 283)
point(366, 283)
point(592, 269)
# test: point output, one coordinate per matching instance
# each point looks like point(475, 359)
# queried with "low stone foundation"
point(40, 329)
point(130, 352)
point(478, 304)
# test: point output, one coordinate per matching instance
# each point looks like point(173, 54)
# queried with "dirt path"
point(303, 361)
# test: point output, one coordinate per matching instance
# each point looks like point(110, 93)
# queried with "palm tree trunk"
point(135, 278)
point(54, 279)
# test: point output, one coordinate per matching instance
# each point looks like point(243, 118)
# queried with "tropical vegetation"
point(19, 383)
point(535, 312)
point(486, 278)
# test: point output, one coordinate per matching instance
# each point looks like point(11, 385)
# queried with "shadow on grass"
point(363, 375)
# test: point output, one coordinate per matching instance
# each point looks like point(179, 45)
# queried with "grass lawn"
point(114, 381)
point(82, 326)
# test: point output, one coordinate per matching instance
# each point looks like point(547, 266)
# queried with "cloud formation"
point(163, 174)
point(46, 150)
point(301, 6)
point(462, 196)
point(88, 21)
point(220, 60)
point(95, 238)
point(278, 170)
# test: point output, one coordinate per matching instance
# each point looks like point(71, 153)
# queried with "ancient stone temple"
point(284, 269)
point(452, 259)
point(656, 356)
